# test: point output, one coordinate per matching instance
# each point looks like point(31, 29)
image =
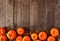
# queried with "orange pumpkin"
point(51, 38)
point(34, 36)
point(42, 35)
point(11, 34)
point(54, 32)
point(26, 38)
point(2, 31)
point(20, 31)
point(19, 38)
point(3, 38)
point(38, 40)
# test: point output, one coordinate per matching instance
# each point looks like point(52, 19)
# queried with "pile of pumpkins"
point(17, 35)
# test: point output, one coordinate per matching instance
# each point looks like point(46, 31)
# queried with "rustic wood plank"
point(33, 15)
point(9, 13)
point(42, 15)
point(17, 10)
point(2, 13)
point(57, 15)
point(51, 14)
point(25, 14)
point(15, 13)
point(19, 13)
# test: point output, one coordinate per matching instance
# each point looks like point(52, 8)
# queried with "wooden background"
point(32, 14)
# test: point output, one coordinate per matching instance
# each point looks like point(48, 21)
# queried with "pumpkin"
point(2, 31)
point(26, 38)
point(20, 31)
point(11, 34)
point(3, 38)
point(37, 31)
point(51, 38)
point(42, 35)
point(19, 38)
point(38, 40)
point(34, 36)
point(54, 32)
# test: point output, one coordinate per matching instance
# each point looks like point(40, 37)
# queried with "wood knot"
point(11, 2)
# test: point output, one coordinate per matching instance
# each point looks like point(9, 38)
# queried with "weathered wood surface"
point(31, 14)
point(26, 14)
point(42, 14)
point(57, 15)
point(9, 13)
point(2, 13)
point(51, 4)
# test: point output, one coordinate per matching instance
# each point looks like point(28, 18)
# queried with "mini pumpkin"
point(19, 38)
point(34, 36)
point(38, 40)
point(20, 31)
point(54, 32)
point(42, 35)
point(11, 34)
point(3, 38)
point(26, 38)
point(2, 31)
point(51, 38)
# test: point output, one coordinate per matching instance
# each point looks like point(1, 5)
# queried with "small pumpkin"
point(11, 34)
point(2, 31)
point(34, 36)
point(42, 35)
point(38, 40)
point(26, 38)
point(37, 31)
point(19, 38)
point(51, 38)
point(54, 32)
point(3, 38)
point(20, 31)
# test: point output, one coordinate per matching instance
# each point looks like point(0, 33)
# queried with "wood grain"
point(9, 14)
point(51, 14)
point(57, 15)
point(15, 13)
point(2, 13)
point(33, 15)
point(19, 13)
point(42, 15)
point(26, 14)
